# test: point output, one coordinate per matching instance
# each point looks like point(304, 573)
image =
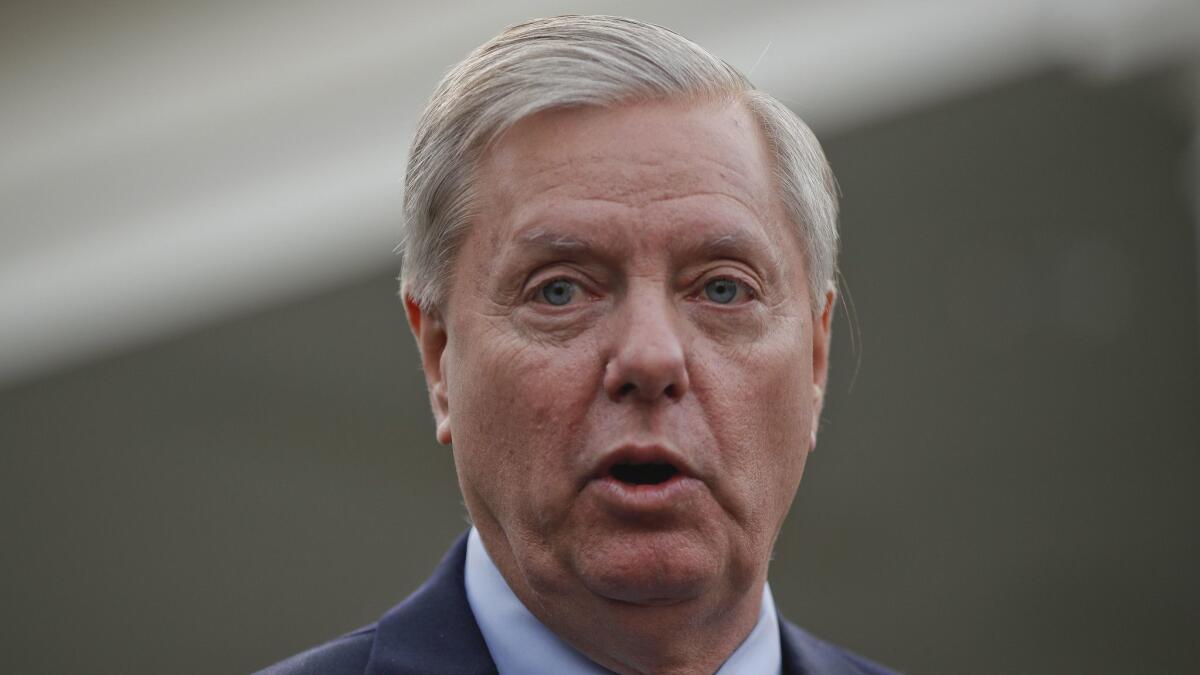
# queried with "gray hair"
point(604, 61)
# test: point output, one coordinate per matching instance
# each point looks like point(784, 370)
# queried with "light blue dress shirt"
point(521, 645)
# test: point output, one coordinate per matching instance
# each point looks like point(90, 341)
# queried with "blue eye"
point(558, 292)
point(721, 291)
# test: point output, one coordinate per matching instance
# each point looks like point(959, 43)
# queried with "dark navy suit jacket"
point(434, 632)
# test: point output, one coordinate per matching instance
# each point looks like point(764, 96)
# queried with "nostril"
point(626, 389)
point(669, 392)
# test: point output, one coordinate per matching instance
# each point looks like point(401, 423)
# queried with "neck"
point(692, 635)
point(677, 639)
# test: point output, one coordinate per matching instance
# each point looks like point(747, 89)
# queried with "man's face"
point(628, 365)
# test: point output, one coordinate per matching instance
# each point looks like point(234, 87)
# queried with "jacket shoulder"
point(433, 632)
point(347, 655)
point(805, 654)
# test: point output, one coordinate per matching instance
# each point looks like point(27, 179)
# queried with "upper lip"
point(651, 453)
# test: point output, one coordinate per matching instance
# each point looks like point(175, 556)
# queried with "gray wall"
point(1003, 478)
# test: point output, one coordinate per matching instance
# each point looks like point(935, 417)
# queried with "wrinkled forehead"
point(664, 136)
point(636, 156)
point(646, 184)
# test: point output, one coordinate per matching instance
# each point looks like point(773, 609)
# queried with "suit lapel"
point(804, 654)
point(433, 632)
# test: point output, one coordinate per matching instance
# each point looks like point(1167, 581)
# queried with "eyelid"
point(537, 281)
point(743, 281)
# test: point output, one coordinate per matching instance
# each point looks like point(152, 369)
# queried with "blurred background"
point(215, 446)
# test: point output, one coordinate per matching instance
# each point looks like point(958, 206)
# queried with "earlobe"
point(429, 330)
point(441, 404)
point(822, 333)
point(818, 405)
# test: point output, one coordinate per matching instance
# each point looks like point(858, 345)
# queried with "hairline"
point(520, 73)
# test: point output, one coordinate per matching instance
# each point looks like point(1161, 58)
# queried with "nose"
point(648, 360)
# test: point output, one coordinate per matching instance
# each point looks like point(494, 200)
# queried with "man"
point(617, 265)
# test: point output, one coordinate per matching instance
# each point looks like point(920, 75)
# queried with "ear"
point(429, 330)
point(822, 334)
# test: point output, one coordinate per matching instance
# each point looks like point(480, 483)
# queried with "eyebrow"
point(737, 246)
point(722, 246)
point(555, 241)
point(726, 245)
point(741, 247)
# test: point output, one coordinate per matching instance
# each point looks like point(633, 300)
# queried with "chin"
point(650, 568)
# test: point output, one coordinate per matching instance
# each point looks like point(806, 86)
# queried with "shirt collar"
point(520, 643)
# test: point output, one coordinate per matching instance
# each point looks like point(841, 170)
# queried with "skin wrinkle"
point(513, 291)
point(676, 174)
point(591, 163)
point(534, 243)
point(531, 386)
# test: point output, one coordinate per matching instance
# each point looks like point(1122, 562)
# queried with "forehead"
point(648, 177)
point(637, 156)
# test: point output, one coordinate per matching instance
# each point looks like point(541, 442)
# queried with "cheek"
point(515, 409)
point(760, 407)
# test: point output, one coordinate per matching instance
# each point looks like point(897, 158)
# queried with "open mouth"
point(646, 481)
point(649, 473)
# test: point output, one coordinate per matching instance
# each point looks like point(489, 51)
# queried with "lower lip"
point(631, 499)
